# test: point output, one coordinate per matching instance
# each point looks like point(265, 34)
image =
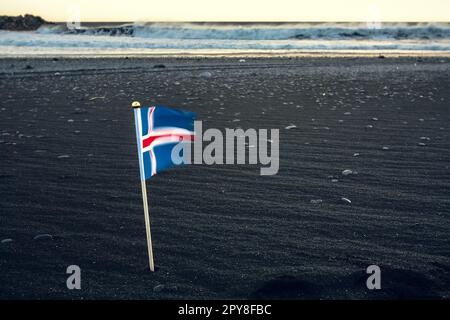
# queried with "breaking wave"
point(138, 38)
point(263, 31)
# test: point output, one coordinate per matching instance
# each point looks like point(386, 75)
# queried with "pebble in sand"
point(346, 200)
point(205, 74)
point(44, 236)
point(348, 172)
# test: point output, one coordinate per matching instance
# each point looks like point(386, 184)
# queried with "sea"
point(196, 38)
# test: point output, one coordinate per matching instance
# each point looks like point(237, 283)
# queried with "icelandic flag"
point(158, 130)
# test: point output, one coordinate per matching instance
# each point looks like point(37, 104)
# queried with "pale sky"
point(232, 10)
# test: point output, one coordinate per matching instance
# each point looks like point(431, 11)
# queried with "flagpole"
point(136, 105)
point(147, 226)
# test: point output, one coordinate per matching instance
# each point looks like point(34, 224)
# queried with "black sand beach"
point(69, 169)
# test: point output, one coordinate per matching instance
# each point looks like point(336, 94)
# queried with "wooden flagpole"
point(147, 226)
point(136, 105)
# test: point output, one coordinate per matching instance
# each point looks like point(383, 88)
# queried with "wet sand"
point(69, 169)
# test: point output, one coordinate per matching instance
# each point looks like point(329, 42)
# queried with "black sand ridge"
point(69, 169)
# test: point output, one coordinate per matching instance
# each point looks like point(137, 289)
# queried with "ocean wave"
point(16, 40)
point(229, 37)
point(262, 31)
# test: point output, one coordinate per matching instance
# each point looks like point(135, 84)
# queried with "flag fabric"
point(158, 130)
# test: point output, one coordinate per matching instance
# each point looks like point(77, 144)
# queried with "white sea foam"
point(261, 31)
point(226, 37)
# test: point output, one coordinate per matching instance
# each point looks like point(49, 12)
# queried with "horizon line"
point(232, 21)
point(253, 22)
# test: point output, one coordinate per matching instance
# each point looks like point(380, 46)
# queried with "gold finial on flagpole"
point(136, 104)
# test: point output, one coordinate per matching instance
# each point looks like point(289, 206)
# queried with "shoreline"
point(54, 66)
point(246, 54)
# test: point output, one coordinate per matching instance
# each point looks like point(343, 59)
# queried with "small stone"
point(346, 200)
point(158, 288)
point(385, 148)
point(347, 172)
point(205, 74)
point(162, 287)
point(95, 98)
point(44, 236)
point(356, 154)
